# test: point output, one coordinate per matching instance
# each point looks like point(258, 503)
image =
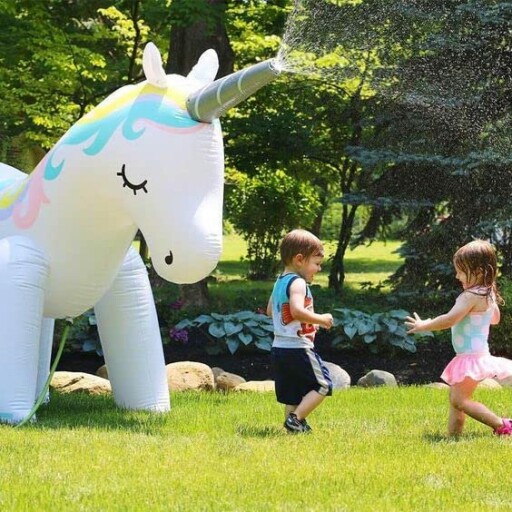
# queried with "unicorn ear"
point(152, 65)
point(206, 68)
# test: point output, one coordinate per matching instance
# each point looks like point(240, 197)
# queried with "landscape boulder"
point(437, 385)
point(226, 381)
point(102, 372)
point(377, 378)
point(489, 384)
point(340, 378)
point(259, 386)
point(189, 375)
point(78, 382)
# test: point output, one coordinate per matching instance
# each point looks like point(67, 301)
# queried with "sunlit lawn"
point(366, 264)
point(374, 262)
point(371, 449)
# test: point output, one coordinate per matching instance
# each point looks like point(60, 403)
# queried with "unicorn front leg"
point(23, 275)
point(131, 341)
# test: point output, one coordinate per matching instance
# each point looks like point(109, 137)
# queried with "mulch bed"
point(422, 367)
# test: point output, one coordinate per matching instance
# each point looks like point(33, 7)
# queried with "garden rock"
point(340, 378)
point(489, 384)
point(377, 378)
point(506, 382)
point(78, 382)
point(217, 371)
point(189, 375)
point(437, 385)
point(259, 386)
point(102, 372)
point(226, 381)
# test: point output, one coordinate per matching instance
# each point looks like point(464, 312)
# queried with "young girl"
point(475, 309)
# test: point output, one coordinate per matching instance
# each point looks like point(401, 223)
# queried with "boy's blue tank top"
point(290, 333)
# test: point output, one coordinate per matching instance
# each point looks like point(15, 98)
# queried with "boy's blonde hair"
point(300, 241)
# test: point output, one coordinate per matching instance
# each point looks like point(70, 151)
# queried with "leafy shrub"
point(378, 331)
point(500, 337)
point(230, 332)
point(83, 334)
point(262, 208)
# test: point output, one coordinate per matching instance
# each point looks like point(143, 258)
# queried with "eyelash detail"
point(129, 184)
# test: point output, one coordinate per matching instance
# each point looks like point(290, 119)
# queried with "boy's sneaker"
point(306, 426)
point(296, 426)
point(505, 429)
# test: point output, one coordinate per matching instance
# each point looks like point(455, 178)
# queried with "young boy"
point(301, 378)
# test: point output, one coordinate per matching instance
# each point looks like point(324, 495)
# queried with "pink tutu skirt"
point(476, 366)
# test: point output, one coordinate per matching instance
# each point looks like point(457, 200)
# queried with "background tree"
point(445, 138)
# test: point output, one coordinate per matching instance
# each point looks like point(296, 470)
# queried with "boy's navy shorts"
point(297, 371)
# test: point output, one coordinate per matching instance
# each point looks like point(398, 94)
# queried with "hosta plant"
point(378, 331)
point(232, 331)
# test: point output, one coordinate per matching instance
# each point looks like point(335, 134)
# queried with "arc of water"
point(215, 99)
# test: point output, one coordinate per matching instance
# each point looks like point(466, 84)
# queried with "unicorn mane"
point(131, 109)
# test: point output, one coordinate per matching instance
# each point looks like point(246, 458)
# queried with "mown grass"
point(372, 449)
point(365, 264)
point(368, 263)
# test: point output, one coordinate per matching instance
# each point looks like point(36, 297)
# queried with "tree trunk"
point(186, 45)
point(349, 178)
point(337, 272)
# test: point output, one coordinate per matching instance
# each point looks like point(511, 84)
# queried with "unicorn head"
point(149, 157)
point(173, 184)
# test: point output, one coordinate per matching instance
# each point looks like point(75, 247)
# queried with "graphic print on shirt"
point(306, 330)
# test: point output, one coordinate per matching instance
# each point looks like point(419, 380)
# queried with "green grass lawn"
point(369, 263)
point(371, 449)
point(366, 264)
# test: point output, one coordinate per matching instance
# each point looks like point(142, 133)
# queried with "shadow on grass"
point(101, 413)
point(443, 437)
point(247, 430)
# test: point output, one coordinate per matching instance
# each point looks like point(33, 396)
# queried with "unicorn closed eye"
point(149, 157)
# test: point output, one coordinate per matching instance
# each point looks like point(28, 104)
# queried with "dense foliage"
point(405, 109)
point(444, 140)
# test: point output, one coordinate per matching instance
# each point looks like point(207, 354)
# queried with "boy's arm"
point(463, 305)
point(269, 307)
point(297, 293)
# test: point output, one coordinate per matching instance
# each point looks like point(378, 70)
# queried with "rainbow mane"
point(131, 109)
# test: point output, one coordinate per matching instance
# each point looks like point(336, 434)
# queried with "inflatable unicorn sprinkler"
point(149, 157)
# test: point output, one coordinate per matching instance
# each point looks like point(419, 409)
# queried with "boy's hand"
point(326, 320)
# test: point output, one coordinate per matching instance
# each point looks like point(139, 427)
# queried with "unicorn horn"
point(216, 98)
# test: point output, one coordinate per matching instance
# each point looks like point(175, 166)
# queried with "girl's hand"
point(415, 324)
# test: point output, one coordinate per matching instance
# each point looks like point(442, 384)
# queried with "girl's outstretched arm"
point(463, 305)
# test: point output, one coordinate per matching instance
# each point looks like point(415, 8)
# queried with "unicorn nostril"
point(169, 258)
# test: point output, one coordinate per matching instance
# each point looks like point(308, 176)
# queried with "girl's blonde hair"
point(300, 241)
point(477, 260)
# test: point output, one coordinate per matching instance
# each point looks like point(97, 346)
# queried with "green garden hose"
point(44, 391)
